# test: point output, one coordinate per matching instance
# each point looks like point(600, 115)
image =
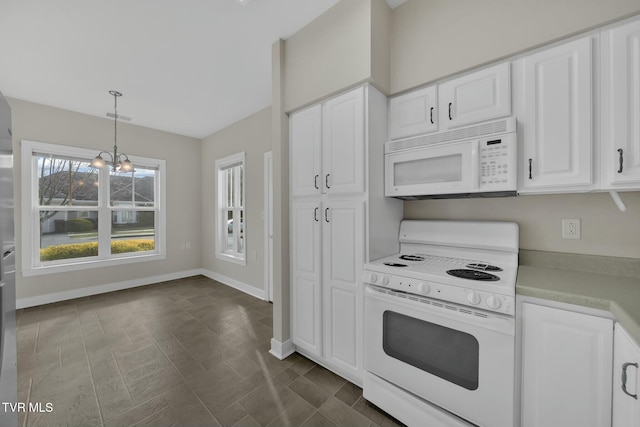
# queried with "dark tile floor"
point(189, 352)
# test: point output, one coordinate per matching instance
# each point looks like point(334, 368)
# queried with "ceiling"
point(190, 67)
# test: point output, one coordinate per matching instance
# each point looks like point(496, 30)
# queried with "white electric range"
point(440, 325)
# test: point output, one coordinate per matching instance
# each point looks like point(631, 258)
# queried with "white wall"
point(253, 136)
point(345, 46)
point(53, 125)
point(435, 38)
point(605, 230)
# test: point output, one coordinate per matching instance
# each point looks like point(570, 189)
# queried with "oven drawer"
point(449, 355)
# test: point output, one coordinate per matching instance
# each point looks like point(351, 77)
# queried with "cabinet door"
point(476, 97)
point(626, 359)
point(343, 144)
point(621, 98)
point(306, 146)
point(306, 276)
point(413, 113)
point(557, 119)
point(566, 368)
point(343, 260)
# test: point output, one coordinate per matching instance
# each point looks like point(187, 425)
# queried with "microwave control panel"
point(498, 162)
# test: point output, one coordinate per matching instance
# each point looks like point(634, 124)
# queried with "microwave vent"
point(500, 126)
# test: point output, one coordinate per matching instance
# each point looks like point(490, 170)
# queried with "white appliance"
point(8, 352)
point(475, 161)
point(440, 326)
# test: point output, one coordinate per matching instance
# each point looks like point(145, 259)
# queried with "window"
point(231, 241)
point(83, 217)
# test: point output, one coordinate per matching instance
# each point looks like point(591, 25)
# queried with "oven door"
point(459, 359)
point(443, 169)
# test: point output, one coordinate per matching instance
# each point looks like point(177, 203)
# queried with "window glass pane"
point(66, 182)
point(133, 188)
point(241, 231)
point(132, 231)
point(241, 179)
point(229, 184)
point(229, 231)
point(68, 234)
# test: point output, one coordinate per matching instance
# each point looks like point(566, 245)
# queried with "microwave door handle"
point(475, 165)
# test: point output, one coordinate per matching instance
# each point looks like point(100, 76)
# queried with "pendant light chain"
point(115, 122)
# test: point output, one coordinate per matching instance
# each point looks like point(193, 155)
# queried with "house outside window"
point(230, 215)
point(82, 217)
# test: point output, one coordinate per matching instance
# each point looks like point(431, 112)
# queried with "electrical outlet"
point(571, 229)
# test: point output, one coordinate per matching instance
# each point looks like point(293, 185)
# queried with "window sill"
point(90, 264)
point(231, 258)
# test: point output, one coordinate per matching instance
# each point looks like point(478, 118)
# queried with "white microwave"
point(476, 161)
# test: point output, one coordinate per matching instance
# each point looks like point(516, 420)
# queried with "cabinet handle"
point(620, 159)
point(315, 182)
point(315, 214)
point(530, 163)
point(624, 378)
point(326, 180)
point(326, 214)
point(450, 104)
point(431, 115)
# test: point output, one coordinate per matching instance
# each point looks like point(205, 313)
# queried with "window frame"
point(31, 264)
point(221, 166)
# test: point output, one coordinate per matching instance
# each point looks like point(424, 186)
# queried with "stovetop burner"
point(473, 275)
point(412, 257)
point(482, 266)
point(395, 264)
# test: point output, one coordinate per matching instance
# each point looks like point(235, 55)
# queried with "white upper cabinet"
point(343, 144)
point(621, 107)
point(626, 380)
point(414, 113)
point(556, 119)
point(328, 147)
point(482, 95)
point(475, 97)
point(306, 149)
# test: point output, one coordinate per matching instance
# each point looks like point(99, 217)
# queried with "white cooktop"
point(464, 262)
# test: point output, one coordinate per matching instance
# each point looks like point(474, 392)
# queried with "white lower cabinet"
point(626, 380)
point(328, 254)
point(306, 275)
point(566, 368)
point(342, 261)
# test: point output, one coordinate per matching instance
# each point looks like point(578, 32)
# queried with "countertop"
point(618, 294)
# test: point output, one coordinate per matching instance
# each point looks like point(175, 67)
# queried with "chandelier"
point(120, 162)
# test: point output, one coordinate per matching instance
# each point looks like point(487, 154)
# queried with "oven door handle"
point(474, 318)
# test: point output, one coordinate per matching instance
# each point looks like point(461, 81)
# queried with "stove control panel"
point(446, 292)
point(405, 284)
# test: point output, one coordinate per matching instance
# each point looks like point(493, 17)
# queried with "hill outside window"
point(231, 242)
point(82, 217)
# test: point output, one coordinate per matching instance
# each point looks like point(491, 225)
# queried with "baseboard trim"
point(101, 289)
point(282, 350)
point(241, 286)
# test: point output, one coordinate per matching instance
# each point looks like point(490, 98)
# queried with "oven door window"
point(444, 352)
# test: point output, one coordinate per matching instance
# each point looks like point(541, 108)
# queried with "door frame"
point(268, 225)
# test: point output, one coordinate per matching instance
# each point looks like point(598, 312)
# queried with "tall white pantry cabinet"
point(340, 219)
